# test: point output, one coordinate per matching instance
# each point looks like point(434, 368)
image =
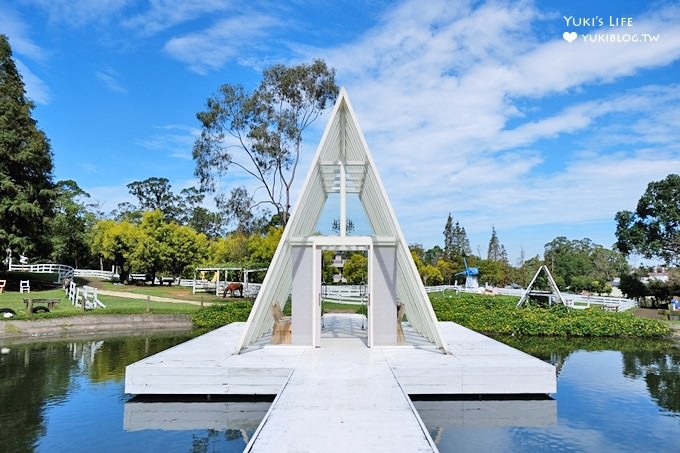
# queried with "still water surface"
point(68, 396)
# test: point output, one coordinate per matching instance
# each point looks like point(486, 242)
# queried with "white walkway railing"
point(63, 271)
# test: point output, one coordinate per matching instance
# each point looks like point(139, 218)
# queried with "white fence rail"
point(107, 275)
point(577, 301)
point(63, 271)
point(352, 294)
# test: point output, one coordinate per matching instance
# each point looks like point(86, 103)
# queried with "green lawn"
point(175, 292)
point(121, 305)
point(114, 305)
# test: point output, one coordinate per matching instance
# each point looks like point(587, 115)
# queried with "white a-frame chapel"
point(343, 165)
point(320, 376)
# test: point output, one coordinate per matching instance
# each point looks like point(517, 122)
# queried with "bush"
point(499, 314)
point(220, 315)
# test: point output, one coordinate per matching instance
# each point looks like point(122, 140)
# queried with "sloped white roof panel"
point(343, 141)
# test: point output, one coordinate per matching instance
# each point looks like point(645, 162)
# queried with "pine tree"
point(497, 250)
point(27, 191)
point(448, 238)
point(494, 247)
point(461, 243)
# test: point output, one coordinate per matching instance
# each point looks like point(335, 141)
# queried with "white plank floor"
point(207, 365)
point(342, 399)
point(342, 396)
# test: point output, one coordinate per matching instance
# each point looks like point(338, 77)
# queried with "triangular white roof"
point(342, 141)
point(551, 282)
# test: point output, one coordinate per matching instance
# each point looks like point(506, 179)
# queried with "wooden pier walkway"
point(342, 399)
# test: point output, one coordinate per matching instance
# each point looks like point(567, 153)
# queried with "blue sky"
point(478, 108)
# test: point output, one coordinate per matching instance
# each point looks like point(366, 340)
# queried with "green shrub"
point(499, 314)
point(220, 315)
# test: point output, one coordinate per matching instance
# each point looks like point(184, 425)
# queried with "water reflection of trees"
point(34, 376)
point(212, 440)
point(661, 372)
point(657, 362)
point(30, 376)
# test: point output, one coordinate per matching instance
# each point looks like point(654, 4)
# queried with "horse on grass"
point(231, 287)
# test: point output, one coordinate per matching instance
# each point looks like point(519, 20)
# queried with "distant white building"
point(659, 274)
point(339, 264)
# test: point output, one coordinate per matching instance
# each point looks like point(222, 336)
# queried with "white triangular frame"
point(551, 282)
point(342, 144)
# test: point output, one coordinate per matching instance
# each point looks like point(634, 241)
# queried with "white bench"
point(137, 278)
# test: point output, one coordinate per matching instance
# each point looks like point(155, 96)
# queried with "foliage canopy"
point(27, 192)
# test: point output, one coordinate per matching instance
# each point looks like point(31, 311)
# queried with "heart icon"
point(569, 36)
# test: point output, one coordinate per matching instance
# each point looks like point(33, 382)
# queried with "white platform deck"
point(206, 365)
point(342, 396)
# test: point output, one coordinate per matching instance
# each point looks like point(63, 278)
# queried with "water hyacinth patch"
point(499, 314)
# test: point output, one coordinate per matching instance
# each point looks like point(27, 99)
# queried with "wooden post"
point(148, 304)
point(201, 301)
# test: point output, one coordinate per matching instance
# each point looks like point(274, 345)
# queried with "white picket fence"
point(249, 290)
point(85, 296)
point(95, 273)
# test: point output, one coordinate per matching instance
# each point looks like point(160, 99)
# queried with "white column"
point(343, 201)
point(316, 290)
point(369, 311)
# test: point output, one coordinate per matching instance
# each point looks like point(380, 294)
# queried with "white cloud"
point(163, 14)
point(36, 89)
point(445, 82)
point(110, 78)
point(15, 28)
point(175, 139)
point(226, 40)
point(108, 197)
point(80, 12)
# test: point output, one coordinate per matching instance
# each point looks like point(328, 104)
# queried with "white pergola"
point(343, 165)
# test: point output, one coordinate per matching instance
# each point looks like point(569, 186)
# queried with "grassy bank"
point(114, 305)
point(486, 314)
point(499, 315)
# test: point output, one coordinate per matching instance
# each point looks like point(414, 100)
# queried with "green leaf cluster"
point(499, 314)
point(653, 230)
point(220, 315)
point(153, 246)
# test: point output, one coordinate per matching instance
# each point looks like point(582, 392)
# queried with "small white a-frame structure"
point(343, 165)
point(551, 282)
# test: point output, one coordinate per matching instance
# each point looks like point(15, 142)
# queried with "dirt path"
point(127, 295)
point(650, 313)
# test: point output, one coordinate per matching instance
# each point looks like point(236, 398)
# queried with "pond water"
point(68, 396)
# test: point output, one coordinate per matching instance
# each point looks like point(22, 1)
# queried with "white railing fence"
point(577, 301)
point(63, 271)
point(95, 273)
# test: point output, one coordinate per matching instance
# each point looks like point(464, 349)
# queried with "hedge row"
point(219, 315)
point(499, 314)
point(493, 314)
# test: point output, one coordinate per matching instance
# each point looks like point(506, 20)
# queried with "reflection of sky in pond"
point(69, 397)
point(93, 417)
point(598, 409)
